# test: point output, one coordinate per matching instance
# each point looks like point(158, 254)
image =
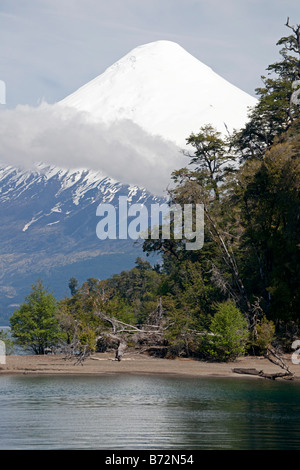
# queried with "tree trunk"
point(121, 349)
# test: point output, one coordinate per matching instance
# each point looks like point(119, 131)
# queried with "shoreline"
point(138, 364)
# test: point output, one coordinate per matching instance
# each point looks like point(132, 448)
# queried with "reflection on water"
point(133, 412)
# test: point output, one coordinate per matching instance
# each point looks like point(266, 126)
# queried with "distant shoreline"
point(134, 363)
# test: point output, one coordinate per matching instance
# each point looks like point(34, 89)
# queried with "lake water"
point(135, 412)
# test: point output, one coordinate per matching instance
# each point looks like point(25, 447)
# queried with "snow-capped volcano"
point(166, 91)
point(118, 134)
point(129, 123)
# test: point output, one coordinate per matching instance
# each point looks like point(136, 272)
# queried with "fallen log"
point(247, 371)
point(286, 375)
point(276, 359)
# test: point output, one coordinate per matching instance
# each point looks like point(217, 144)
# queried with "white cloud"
point(121, 150)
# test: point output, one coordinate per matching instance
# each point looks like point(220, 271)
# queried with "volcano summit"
point(166, 91)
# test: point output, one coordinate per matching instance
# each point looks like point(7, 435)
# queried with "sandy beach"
point(134, 363)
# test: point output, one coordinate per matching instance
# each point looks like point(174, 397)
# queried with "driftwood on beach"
point(273, 357)
point(148, 337)
point(261, 373)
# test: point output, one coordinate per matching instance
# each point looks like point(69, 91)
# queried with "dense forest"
point(241, 291)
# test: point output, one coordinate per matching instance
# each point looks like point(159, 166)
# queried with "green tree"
point(34, 325)
point(216, 265)
point(73, 285)
point(180, 328)
point(211, 156)
point(265, 334)
point(137, 291)
point(76, 315)
point(229, 333)
point(270, 208)
point(274, 112)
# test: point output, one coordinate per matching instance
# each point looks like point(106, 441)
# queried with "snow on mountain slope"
point(65, 190)
point(166, 91)
point(51, 202)
point(48, 229)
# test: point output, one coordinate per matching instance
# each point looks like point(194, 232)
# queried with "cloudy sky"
point(49, 48)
